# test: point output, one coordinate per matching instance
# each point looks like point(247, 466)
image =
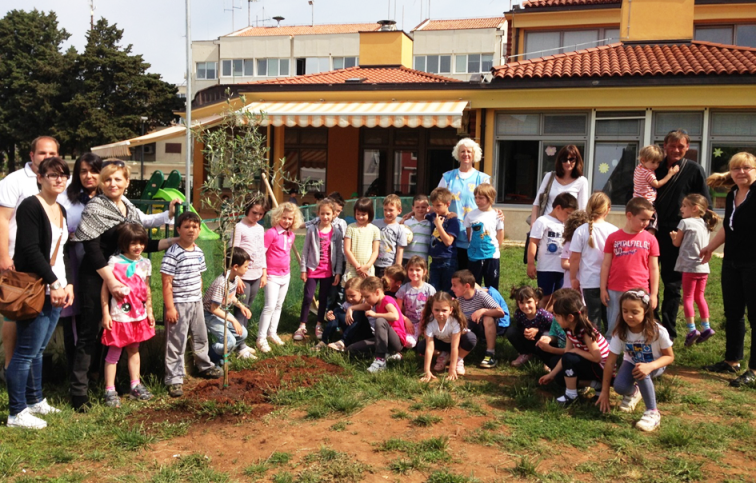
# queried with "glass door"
point(613, 169)
point(371, 183)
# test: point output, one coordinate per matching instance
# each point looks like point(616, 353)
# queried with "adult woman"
point(462, 182)
point(568, 169)
point(738, 266)
point(40, 251)
point(97, 234)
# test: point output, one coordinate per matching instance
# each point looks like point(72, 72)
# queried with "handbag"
point(22, 294)
point(542, 199)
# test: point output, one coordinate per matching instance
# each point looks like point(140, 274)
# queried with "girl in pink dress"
point(128, 319)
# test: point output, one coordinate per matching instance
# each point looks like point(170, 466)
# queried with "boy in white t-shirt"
point(546, 241)
point(485, 231)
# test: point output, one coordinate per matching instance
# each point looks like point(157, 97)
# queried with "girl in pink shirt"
point(285, 218)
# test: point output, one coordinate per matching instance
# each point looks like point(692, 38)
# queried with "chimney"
point(278, 19)
point(387, 25)
point(385, 46)
point(657, 20)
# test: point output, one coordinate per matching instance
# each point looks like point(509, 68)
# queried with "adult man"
point(14, 188)
point(690, 179)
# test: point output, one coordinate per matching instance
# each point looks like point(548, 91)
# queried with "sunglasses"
point(569, 160)
point(117, 163)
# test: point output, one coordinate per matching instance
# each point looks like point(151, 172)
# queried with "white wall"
point(203, 51)
point(467, 41)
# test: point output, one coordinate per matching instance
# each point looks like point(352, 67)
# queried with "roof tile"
point(461, 24)
point(620, 60)
point(372, 75)
point(567, 3)
point(348, 28)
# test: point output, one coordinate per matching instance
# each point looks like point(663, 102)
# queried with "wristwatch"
point(56, 285)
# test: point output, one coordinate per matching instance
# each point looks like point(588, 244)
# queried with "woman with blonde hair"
point(738, 266)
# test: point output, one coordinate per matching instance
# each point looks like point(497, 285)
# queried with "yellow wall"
point(568, 18)
point(732, 12)
point(385, 48)
point(650, 20)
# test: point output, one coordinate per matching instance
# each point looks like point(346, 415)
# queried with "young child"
point(181, 271)
point(645, 183)
point(413, 296)
point(443, 250)
point(393, 279)
point(336, 318)
point(361, 241)
point(691, 236)
point(219, 297)
point(585, 352)
point(420, 227)
point(587, 255)
point(249, 235)
point(575, 220)
point(551, 346)
point(445, 329)
point(630, 260)
point(546, 242)
point(322, 264)
point(393, 236)
point(285, 218)
point(485, 231)
point(647, 352)
point(336, 293)
point(531, 323)
point(128, 321)
point(386, 320)
point(481, 311)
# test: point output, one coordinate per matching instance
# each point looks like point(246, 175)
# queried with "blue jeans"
point(24, 373)
point(441, 271)
point(215, 331)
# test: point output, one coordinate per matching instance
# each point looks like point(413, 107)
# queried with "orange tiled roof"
point(622, 60)
point(567, 3)
point(346, 28)
point(372, 75)
point(461, 24)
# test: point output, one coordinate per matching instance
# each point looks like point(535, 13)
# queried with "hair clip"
point(640, 294)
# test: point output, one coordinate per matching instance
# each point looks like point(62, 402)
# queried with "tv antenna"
point(232, 9)
point(92, 8)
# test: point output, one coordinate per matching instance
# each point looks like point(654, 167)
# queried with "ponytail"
point(590, 235)
point(702, 205)
point(598, 206)
point(711, 219)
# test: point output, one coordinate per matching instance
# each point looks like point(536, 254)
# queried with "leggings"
point(694, 286)
point(467, 342)
point(385, 339)
point(309, 292)
point(624, 384)
point(574, 365)
point(251, 287)
point(275, 293)
point(114, 353)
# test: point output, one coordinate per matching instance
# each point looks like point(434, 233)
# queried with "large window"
point(345, 62)
point(237, 67)
point(207, 70)
point(540, 44)
point(527, 147)
point(689, 121)
point(313, 65)
point(306, 151)
point(473, 63)
point(434, 64)
point(743, 35)
point(272, 67)
point(731, 133)
point(618, 139)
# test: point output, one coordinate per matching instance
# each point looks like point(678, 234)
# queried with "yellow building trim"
point(385, 48)
point(566, 18)
point(732, 12)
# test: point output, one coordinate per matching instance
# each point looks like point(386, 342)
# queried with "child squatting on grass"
point(413, 296)
point(647, 352)
point(529, 326)
point(445, 329)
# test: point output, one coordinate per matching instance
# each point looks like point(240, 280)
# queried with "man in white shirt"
point(14, 189)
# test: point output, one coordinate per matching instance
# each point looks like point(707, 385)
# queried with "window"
point(313, 65)
point(742, 35)
point(306, 151)
point(262, 67)
point(473, 63)
point(611, 35)
point(617, 143)
point(172, 148)
point(540, 44)
point(527, 147)
point(345, 62)
point(272, 67)
point(435, 64)
point(731, 133)
point(236, 67)
point(690, 121)
point(579, 39)
point(249, 68)
point(207, 70)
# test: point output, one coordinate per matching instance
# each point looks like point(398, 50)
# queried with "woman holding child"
point(97, 234)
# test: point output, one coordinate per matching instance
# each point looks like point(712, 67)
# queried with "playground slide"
point(168, 194)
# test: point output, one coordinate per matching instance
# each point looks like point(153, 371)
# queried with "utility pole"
point(312, 7)
point(91, 14)
point(232, 9)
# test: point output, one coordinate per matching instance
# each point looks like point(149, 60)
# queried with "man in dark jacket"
point(690, 179)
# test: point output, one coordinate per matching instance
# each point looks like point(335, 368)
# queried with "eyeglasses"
point(742, 169)
point(117, 163)
point(56, 176)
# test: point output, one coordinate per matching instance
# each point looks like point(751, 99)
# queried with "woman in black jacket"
point(41, 251)
point(738, 266)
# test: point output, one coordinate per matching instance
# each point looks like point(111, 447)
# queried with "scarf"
point(100, 215)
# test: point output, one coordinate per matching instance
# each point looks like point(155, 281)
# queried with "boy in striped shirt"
point(181, 269)
point(421, 230)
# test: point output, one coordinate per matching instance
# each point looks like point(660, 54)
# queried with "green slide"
point(168, 194)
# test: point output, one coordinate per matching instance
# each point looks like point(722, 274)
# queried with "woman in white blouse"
point(568, 169)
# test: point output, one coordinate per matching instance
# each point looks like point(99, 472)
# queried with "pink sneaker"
point(521, 359)
point(441, 361)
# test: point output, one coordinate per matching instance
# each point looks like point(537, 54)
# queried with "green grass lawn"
point(707, 430)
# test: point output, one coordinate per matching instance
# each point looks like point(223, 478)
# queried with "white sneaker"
point(262, 344)
point(441, 361)
point(247, 353)
point(650, 421)
point(395, 357)
point(460, 366)
point(25, 419)
point(275, 339)
point(629, 402)
point(377, 366)
point(337, 346)
point(43, 408)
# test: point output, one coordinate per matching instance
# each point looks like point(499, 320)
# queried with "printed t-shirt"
point(696, 237)
point(414, 299)
point(392, 237)
point(445, 335)
point(589, 272)
point(462, 187)
point(421, 237)
point(186, 267)
point(541, 321)
point(14, 189)
point(566, 252)
point(637, 349)
point(483, 241)
point(438, 248)
point(133, 274)
point(630, 260)
point(549, 231)
point(556, 332)
point(324, 268)
point(215, 292)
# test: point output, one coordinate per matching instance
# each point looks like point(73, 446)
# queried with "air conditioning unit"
point(148, 149)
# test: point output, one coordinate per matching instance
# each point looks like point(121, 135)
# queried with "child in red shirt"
point(630, 260)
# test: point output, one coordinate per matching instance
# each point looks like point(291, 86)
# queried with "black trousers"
point(87, 332)
point(739, 293)
point(672, 280)
point(462, 260)
point(487, 270)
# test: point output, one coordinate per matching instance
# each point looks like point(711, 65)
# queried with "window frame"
point(425, 63)
point(205, 77)
point(734, 27)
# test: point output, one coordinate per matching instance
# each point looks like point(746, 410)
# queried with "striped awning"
point(359, 114)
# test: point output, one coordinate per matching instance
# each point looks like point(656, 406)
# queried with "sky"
point(156, 28)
